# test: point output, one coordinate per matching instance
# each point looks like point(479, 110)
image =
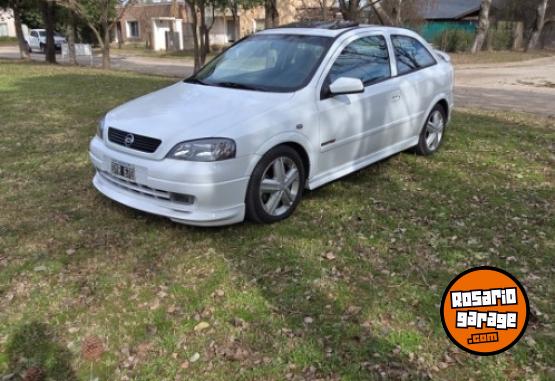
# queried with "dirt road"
point(527, 86)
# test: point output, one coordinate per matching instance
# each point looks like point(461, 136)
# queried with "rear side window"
point(366, 59)
point(410, 54)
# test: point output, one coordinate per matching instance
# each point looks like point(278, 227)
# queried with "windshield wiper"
point(195, 81)
point(235, 85)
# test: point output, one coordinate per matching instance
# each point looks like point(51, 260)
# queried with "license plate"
point(126, 171)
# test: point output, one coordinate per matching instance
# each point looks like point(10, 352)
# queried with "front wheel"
point(432, 133)
point(276, 185)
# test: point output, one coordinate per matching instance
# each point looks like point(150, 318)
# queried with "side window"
point(34, 34)
point(410, 54)
point(366, 59)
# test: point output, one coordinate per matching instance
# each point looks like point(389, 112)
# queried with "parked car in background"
point(283, 110)
point(36, 40)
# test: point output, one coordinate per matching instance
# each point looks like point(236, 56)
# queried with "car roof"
point(38, 30)
point(332, 29)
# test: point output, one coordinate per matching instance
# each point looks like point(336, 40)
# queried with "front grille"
point(139, 142)
point(147, 191)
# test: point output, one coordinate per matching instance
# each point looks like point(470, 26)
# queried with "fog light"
point(183, 198)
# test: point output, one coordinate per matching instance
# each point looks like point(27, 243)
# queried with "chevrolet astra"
point(281, 111)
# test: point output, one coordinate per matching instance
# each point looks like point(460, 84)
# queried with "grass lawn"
point(348, 288)
point(5, 41)
point(498, 56)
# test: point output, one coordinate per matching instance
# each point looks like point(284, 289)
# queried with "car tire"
point(28, 47)
point(43, 48)
point(276, 185)
point(433, 131)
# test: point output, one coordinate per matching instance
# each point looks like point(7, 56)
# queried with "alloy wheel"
point(280, 186)
point(434, 130)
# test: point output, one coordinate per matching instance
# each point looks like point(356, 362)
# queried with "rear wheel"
point(432, 133)
point(43, 48)
point(276, 185)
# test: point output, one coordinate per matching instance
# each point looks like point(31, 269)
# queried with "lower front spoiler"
point(194, 217)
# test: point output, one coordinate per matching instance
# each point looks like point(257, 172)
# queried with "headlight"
point(210, 149)
point(100, 127)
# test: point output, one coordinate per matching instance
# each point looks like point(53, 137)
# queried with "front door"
point(34, 41)
point(354, 126)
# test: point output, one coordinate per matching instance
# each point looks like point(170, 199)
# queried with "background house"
point(150, 23)
point(7, 24)
point(441, 15)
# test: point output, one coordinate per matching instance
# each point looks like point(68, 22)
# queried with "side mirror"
point(346, 85)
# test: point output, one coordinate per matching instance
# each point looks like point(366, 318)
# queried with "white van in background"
point(36, 40)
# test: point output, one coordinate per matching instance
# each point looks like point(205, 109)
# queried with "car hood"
point(186, 111)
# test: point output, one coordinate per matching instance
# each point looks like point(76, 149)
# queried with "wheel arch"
point(296, 141)
point(442, 100)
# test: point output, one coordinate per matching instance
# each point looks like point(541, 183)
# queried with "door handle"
point(396, 98)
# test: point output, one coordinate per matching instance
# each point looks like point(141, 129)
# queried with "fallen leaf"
point(200, 326)
point(329, 256)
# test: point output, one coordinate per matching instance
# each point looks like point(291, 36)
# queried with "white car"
point(36, 40)
point(283, 110)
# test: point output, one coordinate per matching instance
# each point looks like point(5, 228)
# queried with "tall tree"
point(194, 26)
point(101, 17)
point(271, 14)
point(18, 7)
point(71, 37)
point(483, 26)
point(539, 23)
point(49, 17)
point(353, 10)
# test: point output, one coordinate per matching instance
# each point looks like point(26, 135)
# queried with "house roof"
point(449, 9)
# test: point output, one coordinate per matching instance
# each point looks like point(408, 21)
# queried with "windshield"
point(267, 62)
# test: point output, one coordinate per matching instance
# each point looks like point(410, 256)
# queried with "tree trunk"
point(350, 10)
point(194, 27)
point(483, 27)
point(71, 39)
point(49, 20)
point(106, 64)
point(538, 25)
point(234, 12)
point(271, 15)
point(203, 48)
point(382, 14)
point(518, 35)
point(173, 13)
point(23, 48)
point(397, 12)
point(106, 29)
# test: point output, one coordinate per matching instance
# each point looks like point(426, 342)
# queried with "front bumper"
point(218, 188)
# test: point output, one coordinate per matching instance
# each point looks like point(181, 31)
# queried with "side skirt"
point(355, 165)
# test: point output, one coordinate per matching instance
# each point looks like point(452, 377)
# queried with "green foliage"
point(500, 38)
point(454, 40)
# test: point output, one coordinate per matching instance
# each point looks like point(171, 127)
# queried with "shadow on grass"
point(34, 345)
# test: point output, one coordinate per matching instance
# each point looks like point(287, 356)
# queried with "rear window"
point(410, 54)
